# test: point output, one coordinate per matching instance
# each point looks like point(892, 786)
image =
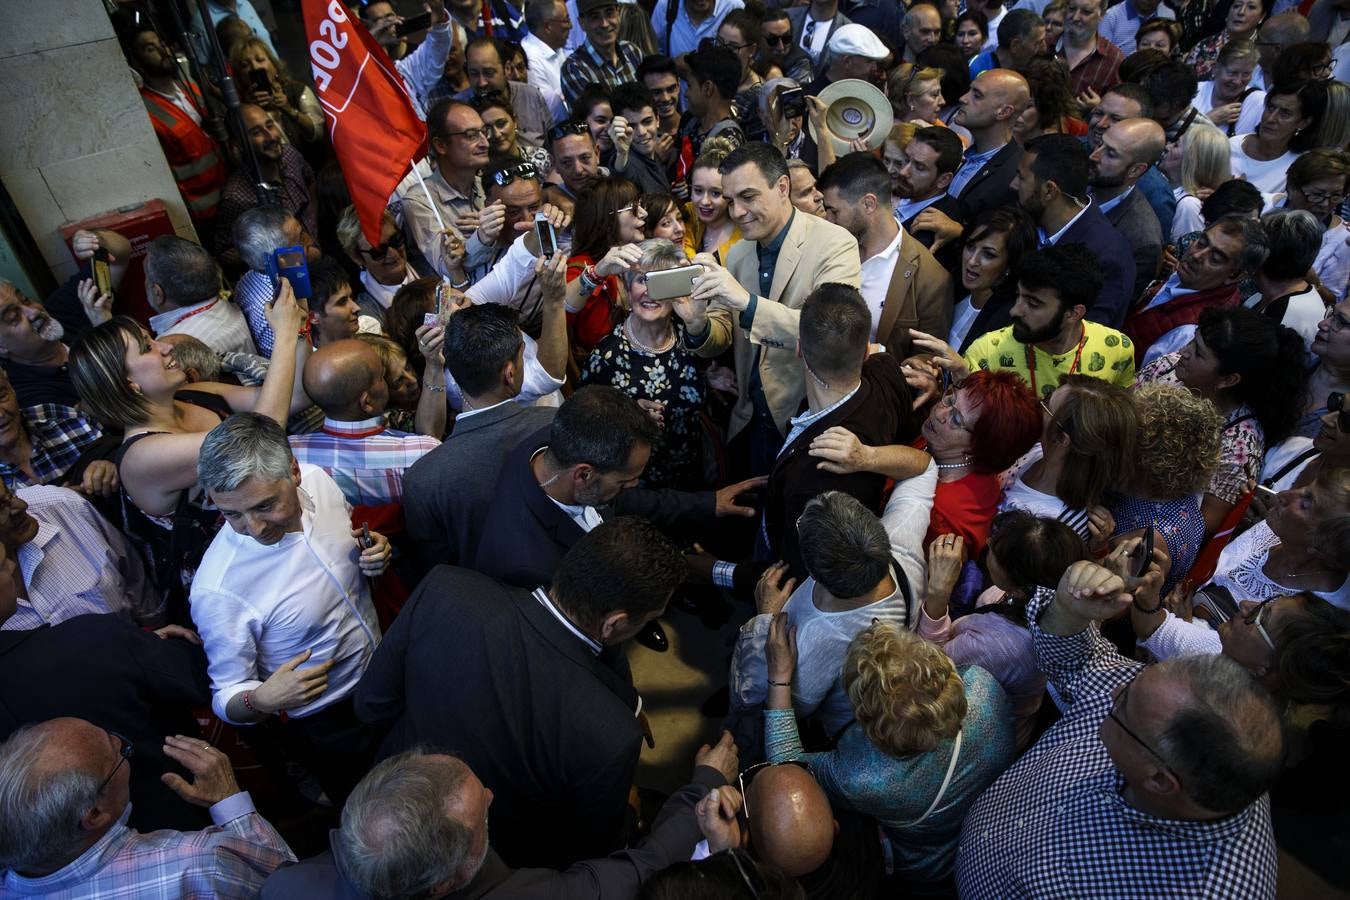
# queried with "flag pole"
point(435, 211)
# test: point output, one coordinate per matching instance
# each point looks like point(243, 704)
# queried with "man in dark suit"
point(995, 100)
point(930, 162)
point(1128, 150)
point(532, 688)
point(387, 820)
point(1051, 185)
point(447, 493)
point(105, 669)
point(563, 481)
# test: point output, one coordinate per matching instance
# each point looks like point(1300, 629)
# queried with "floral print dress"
point(671, 378)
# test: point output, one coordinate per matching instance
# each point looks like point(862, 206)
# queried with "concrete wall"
point(75, 139)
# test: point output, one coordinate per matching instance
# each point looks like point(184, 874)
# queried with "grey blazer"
point(447, 493)
point(1138, 225)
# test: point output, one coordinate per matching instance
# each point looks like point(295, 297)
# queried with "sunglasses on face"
point(380, 252)
point(778, 40)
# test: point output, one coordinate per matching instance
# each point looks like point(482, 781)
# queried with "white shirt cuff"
point(231, 808)
point(700, 851)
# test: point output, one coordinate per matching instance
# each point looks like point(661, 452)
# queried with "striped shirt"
point(1098, 71)
point(230, 860)
point(586, 67)
point(365, 458)
point(76, 564)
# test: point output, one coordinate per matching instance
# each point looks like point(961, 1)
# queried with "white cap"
point(857, 40)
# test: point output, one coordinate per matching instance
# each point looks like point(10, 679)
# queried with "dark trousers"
point(332, 744)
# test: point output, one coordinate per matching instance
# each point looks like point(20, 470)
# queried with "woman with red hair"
point(975, 431)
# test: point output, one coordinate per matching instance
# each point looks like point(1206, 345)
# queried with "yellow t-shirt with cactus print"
point(1107, 354)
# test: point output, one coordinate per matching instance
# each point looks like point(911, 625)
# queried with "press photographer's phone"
point(289, 263)
point(544, 233)
point(792, 103)
point(102, 272)
point(414, 24)
point(671, 283)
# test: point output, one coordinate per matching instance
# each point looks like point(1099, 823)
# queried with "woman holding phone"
point(645, 357)
point(264, 81)
point(129, 379)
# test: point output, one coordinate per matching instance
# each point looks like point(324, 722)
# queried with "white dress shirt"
point(544, 65)
point(218, 323)
point(876, 278)
point(383, 294)
point(258, 606)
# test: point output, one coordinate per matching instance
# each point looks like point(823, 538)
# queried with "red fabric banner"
point(371, 121)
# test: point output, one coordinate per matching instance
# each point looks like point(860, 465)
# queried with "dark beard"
point(1024, 335)
point(1100, 181)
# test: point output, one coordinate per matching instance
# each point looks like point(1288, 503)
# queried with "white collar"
point(547, 602)
point(892, 249)
point(384, 293)
point(1054, 238)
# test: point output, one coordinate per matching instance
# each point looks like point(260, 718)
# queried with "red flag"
point(371, 120)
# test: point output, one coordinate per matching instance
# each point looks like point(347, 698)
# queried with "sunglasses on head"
point(523, 171)
point(567, 129)
point(380, 252)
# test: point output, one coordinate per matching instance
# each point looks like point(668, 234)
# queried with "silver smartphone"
point(671, 283)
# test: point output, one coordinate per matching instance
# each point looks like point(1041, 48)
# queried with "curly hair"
point(905, 691)
point(711, 154)
point(1178, 441)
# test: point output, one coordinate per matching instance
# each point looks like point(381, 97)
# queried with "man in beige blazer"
point(904, 285)
point(755, 301)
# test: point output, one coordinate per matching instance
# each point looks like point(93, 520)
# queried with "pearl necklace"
point(628, 329)
point(942, 467)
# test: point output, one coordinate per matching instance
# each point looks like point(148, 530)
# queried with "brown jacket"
point(920, 296)
point(814, 252)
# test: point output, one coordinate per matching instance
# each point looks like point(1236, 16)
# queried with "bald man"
point(922, 29)
point(995, 99)
point(76, 843)
point(1128, 150)
point(346, 380)
point(1276, 33)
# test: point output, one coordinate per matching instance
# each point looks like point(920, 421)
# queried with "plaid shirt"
point(60, 434)
point(1099, 71)
point(1057, 824)
point(233, 859)
point(365, 458)
point(586, 67)
point(241, 193)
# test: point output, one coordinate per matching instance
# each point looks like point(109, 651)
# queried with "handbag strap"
point(942, 791)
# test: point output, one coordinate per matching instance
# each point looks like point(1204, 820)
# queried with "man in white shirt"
point(422, 68)
point(903, 284)
point(546, 49)
point(283, 585)
point(182, 285)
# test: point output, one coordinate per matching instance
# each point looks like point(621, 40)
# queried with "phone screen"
point(792, 102)
point(260, 81)
point(290, 259)
point(543, 230)
point(102, 272)
point(1145, 553)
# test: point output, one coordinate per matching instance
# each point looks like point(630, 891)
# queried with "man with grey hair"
point(283, 586)
point(922, 29)
point(64, 801)
point(32, 352)
point(182, 285)
point(1154, 783)
point(258, 232)
point(416, 826)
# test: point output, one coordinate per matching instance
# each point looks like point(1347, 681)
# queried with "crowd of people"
point(1014, 441)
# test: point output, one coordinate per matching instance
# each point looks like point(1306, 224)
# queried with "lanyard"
point(1031, 362)
point(195, 312)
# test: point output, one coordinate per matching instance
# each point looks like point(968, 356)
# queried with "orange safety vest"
point(193, 156)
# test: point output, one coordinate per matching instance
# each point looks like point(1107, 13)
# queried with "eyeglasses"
point(635, 208)
point(125, 754)
point(1321, 196)
point(778, 40)
point(1254, 617)
point(948, 399)
point(1337, 321)
point(380, 252)
point(1336, 404)
point(567, 129)
point(723, 42)
point(472, 135)
point(1321, 70)
point(744, 779)
point(1114, 716)
point(523, 171)
point(754, 881)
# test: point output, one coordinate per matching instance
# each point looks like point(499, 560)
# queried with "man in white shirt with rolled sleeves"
point(282, 602)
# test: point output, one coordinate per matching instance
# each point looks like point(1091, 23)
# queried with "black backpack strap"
point(672, 10)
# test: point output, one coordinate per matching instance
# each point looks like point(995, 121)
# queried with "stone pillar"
point(75, 139)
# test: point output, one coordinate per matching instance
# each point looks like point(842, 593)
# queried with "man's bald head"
point(1009, 87)
point(1126, 151)
point(1279, 32)
point(996, 98)
point(792, 826)
point(346, 380)
point(1143, 139)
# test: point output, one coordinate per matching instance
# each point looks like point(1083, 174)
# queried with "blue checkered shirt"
point(1057, 825)
point(366, 459)
point(60, 435)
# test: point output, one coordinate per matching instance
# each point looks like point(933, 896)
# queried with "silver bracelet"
point(434, 388)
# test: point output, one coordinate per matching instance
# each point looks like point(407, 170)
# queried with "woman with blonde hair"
point(709, 228)
point(1195, 165)
point(926, 739)
point(916, 94)
point(290, 102)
